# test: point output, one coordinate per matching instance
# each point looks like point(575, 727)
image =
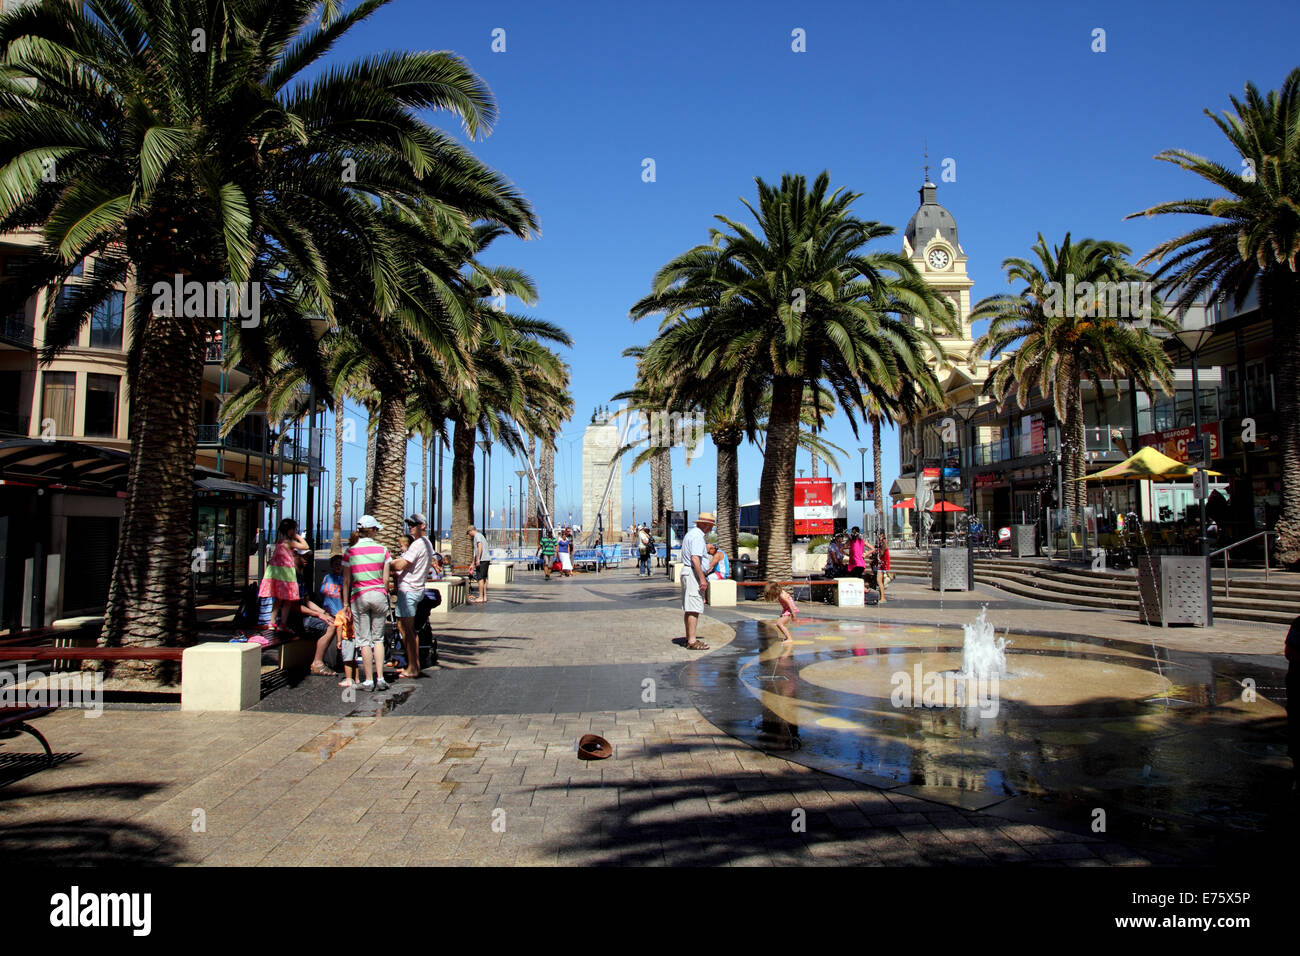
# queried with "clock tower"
point(930, 241)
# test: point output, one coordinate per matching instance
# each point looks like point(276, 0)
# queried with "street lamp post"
point(862, 453)
point(486, 447)
point(352, 486)
point(414, 499)
point(1193, 340)
point(967, 411)
point(520, 475)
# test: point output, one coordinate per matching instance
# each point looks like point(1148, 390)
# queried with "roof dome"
point(928, 218)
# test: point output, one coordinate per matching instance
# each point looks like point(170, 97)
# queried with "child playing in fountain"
point(789, 610)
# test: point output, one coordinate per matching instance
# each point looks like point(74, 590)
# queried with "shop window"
point(58, 395)
point(101, 406)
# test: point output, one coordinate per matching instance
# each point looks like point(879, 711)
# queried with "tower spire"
point(927, 159)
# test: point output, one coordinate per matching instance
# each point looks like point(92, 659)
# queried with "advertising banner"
point(814, 506)
point(1173, 441)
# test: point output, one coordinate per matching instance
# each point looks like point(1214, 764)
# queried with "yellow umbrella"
point(1147, 464)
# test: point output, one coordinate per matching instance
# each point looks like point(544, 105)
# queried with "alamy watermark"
point(79, 689)
point(931, 689)
point(662, 429)
point(1102, 300)
point(209, 300)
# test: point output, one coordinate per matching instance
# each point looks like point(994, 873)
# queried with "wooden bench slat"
point(91, 653)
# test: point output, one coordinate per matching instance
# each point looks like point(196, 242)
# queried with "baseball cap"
point(369, 521)
point(416, 518)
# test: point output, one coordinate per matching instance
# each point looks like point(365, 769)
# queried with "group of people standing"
point(355, 598)
point(849, 555)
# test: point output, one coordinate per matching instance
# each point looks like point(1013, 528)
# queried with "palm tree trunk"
point(546, 475)
point(150, 601)
point(727, 440)
point(388, 480)
point(462, 491)
point(1288, 407)
point(1074, 454)
point(530, 499)
point(776, 489)
point(661, 480)
point(878, 473)
point(336, 539)
point(372, 448)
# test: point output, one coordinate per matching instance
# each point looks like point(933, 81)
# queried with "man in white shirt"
point(412, 570)
point(694, 560)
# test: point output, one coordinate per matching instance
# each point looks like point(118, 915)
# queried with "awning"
point(902, 488)
point(34, 461)
point(225, 486)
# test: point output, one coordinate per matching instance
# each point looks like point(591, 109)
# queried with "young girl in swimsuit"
point(789, 610)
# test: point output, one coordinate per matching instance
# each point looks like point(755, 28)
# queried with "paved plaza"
point(475, 763)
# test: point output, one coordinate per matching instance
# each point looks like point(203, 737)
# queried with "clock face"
point(938, 259)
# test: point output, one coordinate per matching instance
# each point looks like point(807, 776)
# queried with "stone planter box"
point(1173, 589)
point(949, 569)
point(1024, 541)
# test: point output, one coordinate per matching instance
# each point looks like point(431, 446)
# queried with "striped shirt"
point(367, 560)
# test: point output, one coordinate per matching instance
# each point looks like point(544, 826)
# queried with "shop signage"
point(1173, 442)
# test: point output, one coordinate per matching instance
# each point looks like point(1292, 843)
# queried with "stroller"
point(426, 640)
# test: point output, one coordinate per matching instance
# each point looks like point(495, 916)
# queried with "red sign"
point(814, 506)
point(1173, 441)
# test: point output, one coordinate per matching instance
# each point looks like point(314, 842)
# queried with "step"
point(1077, 587)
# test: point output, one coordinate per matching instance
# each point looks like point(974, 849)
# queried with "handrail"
point(1224, 551)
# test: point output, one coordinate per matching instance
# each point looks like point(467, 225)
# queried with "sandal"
point(697, 646)
point(320, 670)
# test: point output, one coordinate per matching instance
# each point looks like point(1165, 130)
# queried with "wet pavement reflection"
point(1183, 752)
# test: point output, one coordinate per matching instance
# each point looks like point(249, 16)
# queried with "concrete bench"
point(721, 593)
point(502, 573)
point(849, 592)
point(219, 676)
point(453, 590)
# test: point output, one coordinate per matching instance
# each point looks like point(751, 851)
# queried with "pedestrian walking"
point(366, 579)
point(546, 552)
point(694, 554)
point(645, 548)
point(565, 550)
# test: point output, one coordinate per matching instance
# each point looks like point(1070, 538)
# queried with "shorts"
point(407, 602)
point(348, 652)
point(369, 610)
point(482, 573)
point(314, 627)
point(692, 600)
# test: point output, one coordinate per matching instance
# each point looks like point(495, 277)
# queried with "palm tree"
point(1253, 241)
point(197, 147)
point(520, 387)
point(802, 303)
point(1058, 345)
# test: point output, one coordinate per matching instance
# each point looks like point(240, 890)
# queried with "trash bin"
point(1173, 589)
point(949, 569)
point(1024, 541)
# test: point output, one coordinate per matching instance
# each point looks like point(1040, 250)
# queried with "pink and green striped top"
point(366, 560)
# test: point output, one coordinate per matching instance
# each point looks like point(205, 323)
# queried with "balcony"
point(15, 425)
point(249, 440)
point(16, 330)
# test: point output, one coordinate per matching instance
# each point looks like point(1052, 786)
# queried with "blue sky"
point(1046, 135)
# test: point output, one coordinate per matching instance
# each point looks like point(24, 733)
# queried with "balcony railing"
point(248, 440)
point(17, 330)
point(14, 424)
